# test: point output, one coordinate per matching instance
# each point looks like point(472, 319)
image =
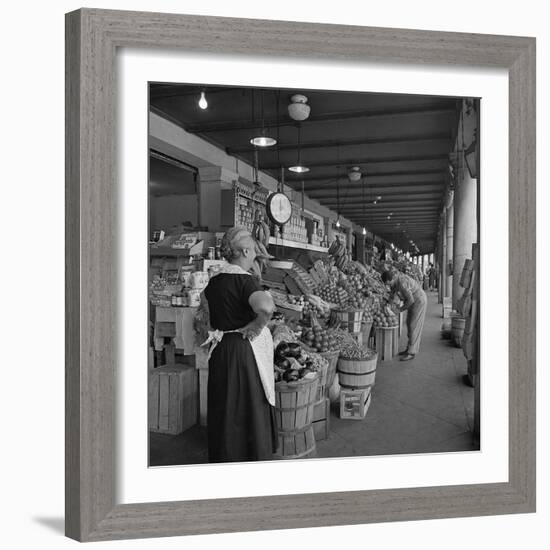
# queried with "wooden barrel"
point(457, 330)
point(294, 410)
point(446, 329)
point(395, 341)
point(350, 320)
point(357, 373)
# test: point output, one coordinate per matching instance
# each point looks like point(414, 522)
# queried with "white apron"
point(262, 346)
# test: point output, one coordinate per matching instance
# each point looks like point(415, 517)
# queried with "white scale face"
point(279, 208)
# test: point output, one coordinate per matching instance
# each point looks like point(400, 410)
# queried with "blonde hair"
point(234, 242)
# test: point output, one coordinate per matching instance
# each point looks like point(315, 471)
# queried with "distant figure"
point(415, 303)
point(432, 280)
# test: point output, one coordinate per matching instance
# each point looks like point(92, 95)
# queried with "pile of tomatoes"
point(319, 339)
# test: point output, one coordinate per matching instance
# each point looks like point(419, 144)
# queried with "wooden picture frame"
point(92, 39)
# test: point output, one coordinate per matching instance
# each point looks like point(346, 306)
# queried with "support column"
point(465, 227)
point(449, 216)
point(443, 257)
point(212, 180)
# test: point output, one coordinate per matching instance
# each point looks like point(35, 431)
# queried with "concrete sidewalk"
point(417, 406)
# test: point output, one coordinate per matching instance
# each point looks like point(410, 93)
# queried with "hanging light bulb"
point(338, 222)
point(263, 140)
point(299, 168)
point(298, 108)
point(203, 104)
point(364, 230)
point(354, 174)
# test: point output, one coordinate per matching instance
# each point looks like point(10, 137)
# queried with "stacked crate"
point(173, 399)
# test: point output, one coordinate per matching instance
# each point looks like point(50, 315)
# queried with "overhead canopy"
point(400, 143)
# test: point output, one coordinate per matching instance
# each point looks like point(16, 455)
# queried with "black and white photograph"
point(313, 274)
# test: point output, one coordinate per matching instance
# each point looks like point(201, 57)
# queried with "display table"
point(183, 318)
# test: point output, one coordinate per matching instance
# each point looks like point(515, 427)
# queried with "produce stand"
point(327, 306)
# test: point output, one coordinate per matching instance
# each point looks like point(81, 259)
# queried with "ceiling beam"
point(236, 125)
point(367, 160)
point(384, 206)
point(330, 178)
point(377, 189)
point(165, 91)
point(372, 187)
point(397, 217)
point(371, 197)
point(403, 225)
point(323, 144)
point(390, 225)
point(403, 207)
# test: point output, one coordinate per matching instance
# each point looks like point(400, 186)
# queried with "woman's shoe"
point(404, 352)
point(407, 357)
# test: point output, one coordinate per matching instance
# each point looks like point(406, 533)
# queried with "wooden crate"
point(387, 342)
point(402, 317)
point(173, 399)
point(354, 404)
point(321, 419)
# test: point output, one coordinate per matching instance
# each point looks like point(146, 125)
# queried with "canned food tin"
point(193, 298)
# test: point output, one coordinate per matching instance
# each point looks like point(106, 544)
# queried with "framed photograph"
point(181, 128)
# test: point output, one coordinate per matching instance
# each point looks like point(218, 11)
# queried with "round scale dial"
point(278, 208)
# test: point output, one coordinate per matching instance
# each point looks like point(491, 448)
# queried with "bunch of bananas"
point(262, 255)
point(340, 254)
point(260, 229)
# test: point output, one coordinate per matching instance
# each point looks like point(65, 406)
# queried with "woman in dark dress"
point(241, 420)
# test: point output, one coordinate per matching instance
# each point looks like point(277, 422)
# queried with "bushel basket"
point(357, 373)
point(350, 320)
point(294, 407)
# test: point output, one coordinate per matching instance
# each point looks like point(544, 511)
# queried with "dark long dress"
point(241, 422)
